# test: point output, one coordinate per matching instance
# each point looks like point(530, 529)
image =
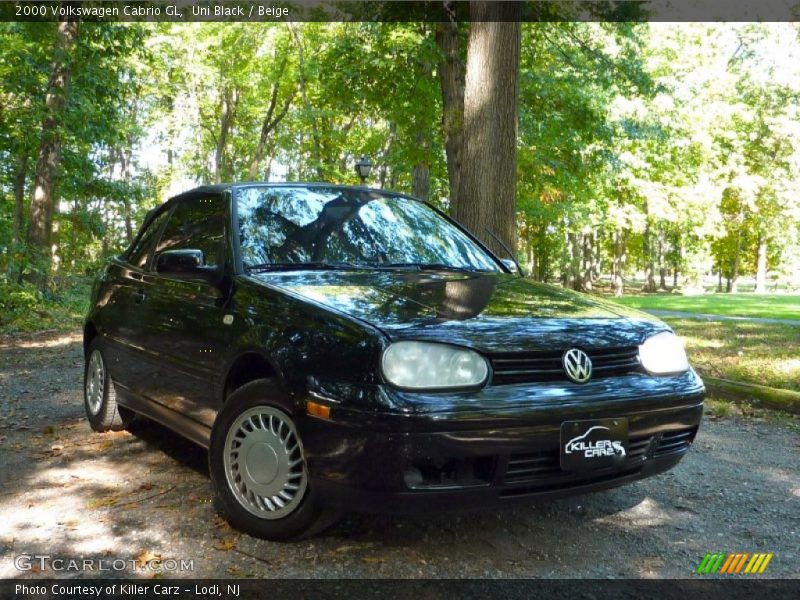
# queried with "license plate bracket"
point(592, 444)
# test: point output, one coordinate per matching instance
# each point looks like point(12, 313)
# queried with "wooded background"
point(606, 154)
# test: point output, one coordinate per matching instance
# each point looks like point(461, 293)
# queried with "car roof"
point(219, 188)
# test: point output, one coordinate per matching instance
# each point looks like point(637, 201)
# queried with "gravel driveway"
point(70, 493)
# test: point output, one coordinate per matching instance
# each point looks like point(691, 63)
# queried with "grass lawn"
point(776, 306)
point(764, 354)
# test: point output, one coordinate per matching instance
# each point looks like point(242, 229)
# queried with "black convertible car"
point(340, 347)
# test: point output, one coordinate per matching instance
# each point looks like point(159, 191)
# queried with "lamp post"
point(363, 168)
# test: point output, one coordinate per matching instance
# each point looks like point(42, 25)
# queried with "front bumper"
point(424, 462)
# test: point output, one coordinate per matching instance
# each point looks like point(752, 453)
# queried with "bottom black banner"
point(391, 589)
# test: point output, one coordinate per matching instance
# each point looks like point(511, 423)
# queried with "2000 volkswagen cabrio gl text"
point(346, 348)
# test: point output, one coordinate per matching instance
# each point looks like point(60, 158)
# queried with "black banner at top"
point(395, 11)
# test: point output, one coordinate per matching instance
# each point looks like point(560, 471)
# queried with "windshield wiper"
point(308, 266)
point(346, 266)
point(425, 267)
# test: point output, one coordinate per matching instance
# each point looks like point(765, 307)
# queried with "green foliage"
point(650, 146)
point(24, 307)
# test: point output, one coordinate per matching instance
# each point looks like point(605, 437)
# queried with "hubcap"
point(264, 463)
point(95, 382)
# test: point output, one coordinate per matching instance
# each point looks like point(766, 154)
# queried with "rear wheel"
point(99, 394)
point(258, 467)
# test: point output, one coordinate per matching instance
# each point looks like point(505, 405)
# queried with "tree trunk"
point(761, 264)
point(452, 73)
point(649, 275)
point(662, 266)
point(300, 156)
point(308, 109)
point(488, 180)
point(565, 261)
point(125, 173)
point(529, 250)
point(268, 169)
point(420, 175)
point(386, 152)
point(420, 182)
point(576, 254)
point(20, 175)
point(618, 264)
point(732, 286)
point(229, 100)
point(679, 254)
point(271, 120)
point(587, 278)
point(19, 196)
point(40, 222)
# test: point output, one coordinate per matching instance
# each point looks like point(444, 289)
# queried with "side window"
point(142, 250)
point(197, 224)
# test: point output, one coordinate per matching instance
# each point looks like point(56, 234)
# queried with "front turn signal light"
point(318, 410)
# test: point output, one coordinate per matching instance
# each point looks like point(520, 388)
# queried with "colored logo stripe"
point(758, 564)
point(711, 562)
point(733, 563)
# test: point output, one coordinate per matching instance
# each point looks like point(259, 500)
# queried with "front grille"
point(545, 464)
point(565, 483)
point(539, 465)
point(673, 442)
point(525, 367)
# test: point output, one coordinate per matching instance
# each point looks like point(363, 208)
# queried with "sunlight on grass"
point(764, 354)
point(699, 342)
point(790, 367)
point(776, 306)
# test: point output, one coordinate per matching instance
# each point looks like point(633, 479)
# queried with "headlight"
point(663, 353)
point(423, 365)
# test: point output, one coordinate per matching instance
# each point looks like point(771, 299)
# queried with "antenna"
point(511, 254)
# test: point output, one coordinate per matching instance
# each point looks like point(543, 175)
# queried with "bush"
point(23, 307)
point(17, 300)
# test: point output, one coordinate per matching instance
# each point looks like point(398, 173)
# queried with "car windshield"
point(318, 227)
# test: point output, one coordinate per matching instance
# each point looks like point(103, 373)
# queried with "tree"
point(486, 198)
point(451, 81)
point(40, 223)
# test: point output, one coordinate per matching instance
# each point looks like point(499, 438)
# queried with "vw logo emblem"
point(577, 365)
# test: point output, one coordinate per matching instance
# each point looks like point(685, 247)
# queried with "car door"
point(125, 336)
point(185, 318)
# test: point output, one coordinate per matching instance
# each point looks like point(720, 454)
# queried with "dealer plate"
point(594, 444)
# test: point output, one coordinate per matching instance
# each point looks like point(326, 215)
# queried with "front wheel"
point(258, 467)
point(99, 394)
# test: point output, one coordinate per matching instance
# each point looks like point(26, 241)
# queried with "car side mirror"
point(510, 265)
point(186, 264)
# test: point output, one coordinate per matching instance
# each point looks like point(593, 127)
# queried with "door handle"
point(138, 296)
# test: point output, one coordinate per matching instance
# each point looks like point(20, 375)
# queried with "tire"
point(99, 393)
point(258, 468)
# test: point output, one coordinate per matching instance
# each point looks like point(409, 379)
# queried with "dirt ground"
point(126, 498)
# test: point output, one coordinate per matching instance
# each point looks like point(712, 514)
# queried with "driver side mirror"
point(510, 265)
point(186, 264)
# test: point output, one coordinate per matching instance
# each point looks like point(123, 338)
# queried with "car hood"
point(487, 311)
